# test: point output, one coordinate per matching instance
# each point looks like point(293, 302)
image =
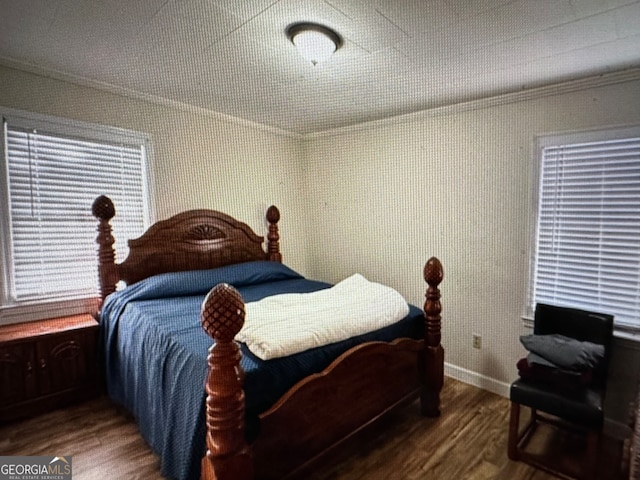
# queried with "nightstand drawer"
point(17, 373)
point(65, 361)
point(47, 364)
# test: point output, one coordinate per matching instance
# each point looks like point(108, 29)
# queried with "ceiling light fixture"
point(316, 43)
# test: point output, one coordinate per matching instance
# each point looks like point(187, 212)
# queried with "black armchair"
point(580, 408)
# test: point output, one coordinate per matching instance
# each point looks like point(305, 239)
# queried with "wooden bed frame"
point(316, 416)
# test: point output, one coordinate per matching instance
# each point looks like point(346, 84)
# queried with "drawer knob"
point(43, 363)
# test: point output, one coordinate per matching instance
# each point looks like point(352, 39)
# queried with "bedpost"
point(434, 353)
point(273, 245)
point(104, 211)
point(228, 456)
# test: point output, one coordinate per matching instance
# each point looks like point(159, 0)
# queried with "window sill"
point(11, 314)
point(628, 339)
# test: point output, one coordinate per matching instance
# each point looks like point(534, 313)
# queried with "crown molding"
point(593, 81)
point(136, 95)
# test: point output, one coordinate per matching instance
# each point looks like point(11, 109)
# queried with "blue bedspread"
point(155, 355)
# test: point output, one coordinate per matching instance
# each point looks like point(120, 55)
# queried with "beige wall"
point(459, 186)
point(379, 199)
point(198, 160)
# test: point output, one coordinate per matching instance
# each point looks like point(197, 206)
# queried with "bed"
point(204, 402)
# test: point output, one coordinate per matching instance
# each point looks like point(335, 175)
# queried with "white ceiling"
point(399, 56)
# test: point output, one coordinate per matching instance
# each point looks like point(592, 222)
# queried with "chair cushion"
point(583, 407)
point(564, 352)
point(580, 324)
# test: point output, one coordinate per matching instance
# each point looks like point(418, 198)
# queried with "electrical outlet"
point(477, 340)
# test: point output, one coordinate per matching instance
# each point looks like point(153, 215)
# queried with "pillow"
point(564, 352)
point(535, 359)
point(197, 282)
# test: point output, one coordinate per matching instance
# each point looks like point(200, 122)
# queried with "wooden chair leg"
point(514, 424)
point(591, 456)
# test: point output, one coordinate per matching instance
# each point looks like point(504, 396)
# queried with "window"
point(587, 252)
point(53, 170)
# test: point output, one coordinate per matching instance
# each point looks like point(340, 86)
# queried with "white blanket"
point(285, 324)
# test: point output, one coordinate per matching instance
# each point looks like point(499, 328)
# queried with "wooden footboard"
point(321, 411)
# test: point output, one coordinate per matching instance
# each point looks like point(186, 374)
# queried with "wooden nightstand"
point(47, 364)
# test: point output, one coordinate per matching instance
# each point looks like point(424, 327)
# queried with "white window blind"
point(588, 229)
point(52, 180)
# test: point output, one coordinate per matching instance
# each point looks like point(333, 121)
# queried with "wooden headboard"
point(192, 240)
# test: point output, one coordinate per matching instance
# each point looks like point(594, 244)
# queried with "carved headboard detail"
point(192, 240)
point(204, 231)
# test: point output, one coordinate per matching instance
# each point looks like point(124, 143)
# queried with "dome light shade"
point(314, 42)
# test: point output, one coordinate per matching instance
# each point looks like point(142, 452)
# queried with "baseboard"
point(477, 380)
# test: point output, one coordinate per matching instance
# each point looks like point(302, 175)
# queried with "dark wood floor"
point(469, 441)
